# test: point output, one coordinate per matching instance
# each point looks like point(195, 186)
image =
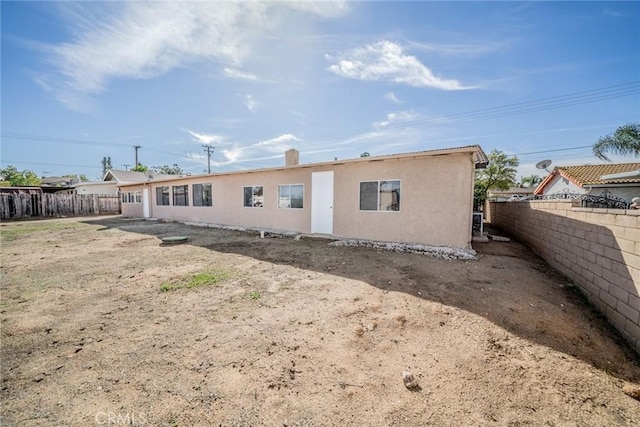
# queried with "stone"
point(409, 380)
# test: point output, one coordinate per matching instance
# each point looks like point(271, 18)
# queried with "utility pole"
point(126, 166)
point(136, 147)
point(208, 149)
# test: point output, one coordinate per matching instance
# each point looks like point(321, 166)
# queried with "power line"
point(48, 164)
point(59, 140)
point(543, 104)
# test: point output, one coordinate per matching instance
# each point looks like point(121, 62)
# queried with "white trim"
point(278, 196)
point(252, 187)
point(378, 196)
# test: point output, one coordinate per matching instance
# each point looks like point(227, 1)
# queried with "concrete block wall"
point(598, 249)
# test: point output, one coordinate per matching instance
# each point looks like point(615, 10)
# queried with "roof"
point(126, 176)
point(595, 175)
point(479, 157)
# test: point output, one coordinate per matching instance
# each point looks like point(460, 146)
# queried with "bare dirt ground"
point(294, 332)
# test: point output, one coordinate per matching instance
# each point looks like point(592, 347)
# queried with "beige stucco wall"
point(132, 210)
point(435, 200)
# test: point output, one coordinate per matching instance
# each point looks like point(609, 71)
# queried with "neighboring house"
point(417, 198)
point(20, 190)
point(54, 184)
point(512, 194)
point(97, 187)
point(113, 179)
point(619, 179)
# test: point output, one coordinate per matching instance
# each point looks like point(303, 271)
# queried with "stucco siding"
point(435, 200)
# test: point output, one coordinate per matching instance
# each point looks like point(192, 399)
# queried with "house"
point(511, 194)
point(416, 198)
point(112, 179)
point(54, 184)
point(620, 180)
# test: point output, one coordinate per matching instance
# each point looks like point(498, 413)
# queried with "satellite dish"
point(544, 165)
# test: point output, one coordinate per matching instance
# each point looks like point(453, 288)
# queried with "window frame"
point(161, 198)
point(185, 196)
point(244, 188)
point(378, 195)
point(193, 196)
point(290, 196)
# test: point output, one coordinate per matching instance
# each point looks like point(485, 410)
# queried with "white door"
point(145, 202)
point(322, 202)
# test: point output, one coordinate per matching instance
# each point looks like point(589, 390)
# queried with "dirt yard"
point(103, 325)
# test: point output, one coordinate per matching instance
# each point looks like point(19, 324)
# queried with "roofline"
point(621, 175)
point(555, 172)
point(471, 149)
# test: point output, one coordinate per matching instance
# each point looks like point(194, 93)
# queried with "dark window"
point(180, 195)
point(380, 195)
point(202, 195)
point(253, 197)
point(162, 196)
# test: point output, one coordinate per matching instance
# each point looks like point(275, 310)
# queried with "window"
point(290, 196)
point(202, 195)
point(253, 197)
point(380, 196)
point(180, 195)
point(162, 196)
point(124, 197)
point(138, 196)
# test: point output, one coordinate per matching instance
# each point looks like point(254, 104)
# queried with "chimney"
point(292, 157)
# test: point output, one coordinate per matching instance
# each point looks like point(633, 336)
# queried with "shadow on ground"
point(508, 285)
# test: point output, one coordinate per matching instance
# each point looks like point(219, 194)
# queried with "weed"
point(11, 231)
point(206, 278)
point(254, 295)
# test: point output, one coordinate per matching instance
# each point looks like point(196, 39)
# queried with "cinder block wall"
point(599, 249)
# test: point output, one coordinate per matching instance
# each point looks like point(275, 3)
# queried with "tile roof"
point(592, 174)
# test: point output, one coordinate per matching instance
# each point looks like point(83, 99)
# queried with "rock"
point(632, 390)
point(409, 380)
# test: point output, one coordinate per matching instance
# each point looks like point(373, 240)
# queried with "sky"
point(85, 80)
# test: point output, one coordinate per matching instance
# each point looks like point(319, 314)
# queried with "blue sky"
point(85, 80)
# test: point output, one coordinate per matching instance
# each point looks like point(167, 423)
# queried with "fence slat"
point(57, 204)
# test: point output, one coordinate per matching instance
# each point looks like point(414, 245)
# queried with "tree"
point(140, 168)
point(15, 178)
point(169, 170)
point(530, 181)
point(499, 174)
point(625, 141)
point(365, 154)
point(106, 165)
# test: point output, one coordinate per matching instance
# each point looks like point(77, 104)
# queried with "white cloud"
point(240, 75)
point(385, 60)
point(262, 150)
point(459, 49)
point(393, 98)
point(251, 103)
point(141, 40)
point(204, 138)
point(397, 117)
point(279, 144)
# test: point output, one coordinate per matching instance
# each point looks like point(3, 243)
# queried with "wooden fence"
point(34, 205)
